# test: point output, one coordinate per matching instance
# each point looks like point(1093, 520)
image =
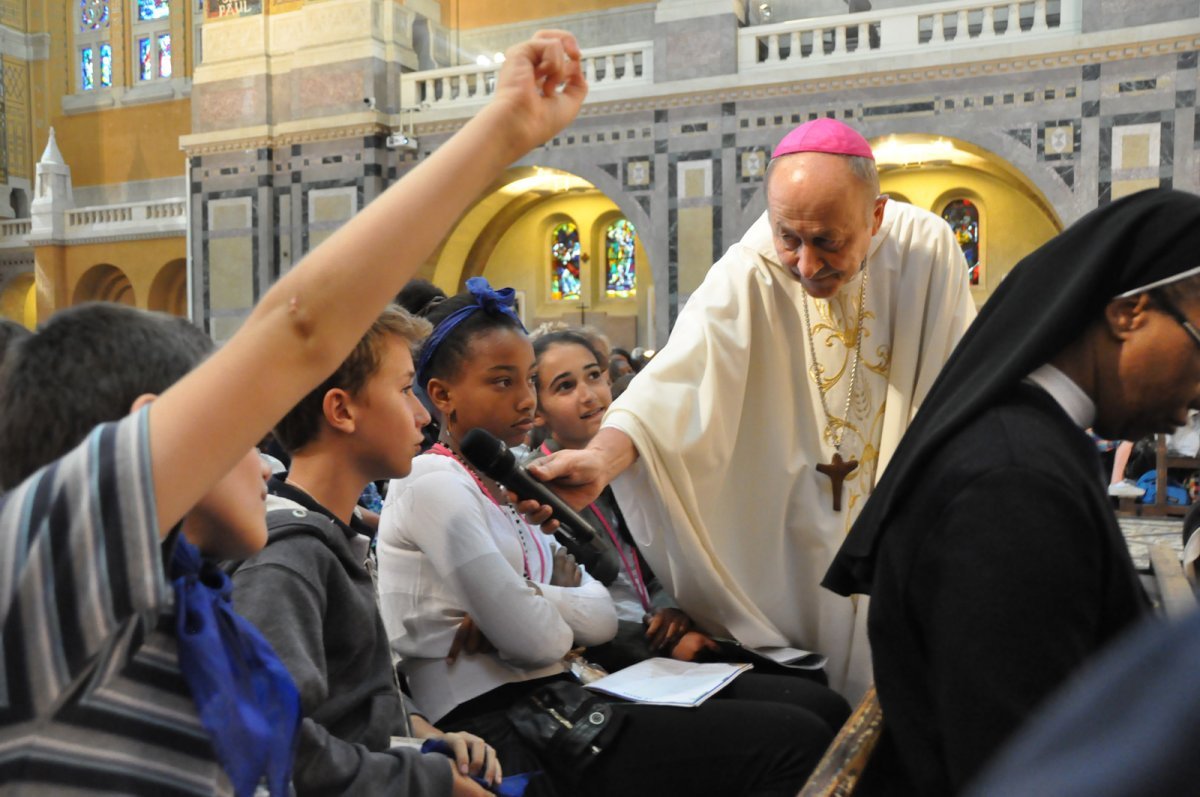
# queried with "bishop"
point(716, 451)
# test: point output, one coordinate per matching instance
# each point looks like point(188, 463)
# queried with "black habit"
point(1003, 572)
point(988, 547)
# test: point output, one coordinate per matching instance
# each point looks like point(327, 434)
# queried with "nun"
point(989, 548)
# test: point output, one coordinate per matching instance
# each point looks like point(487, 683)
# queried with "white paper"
point(805, 659)
point(667, 682)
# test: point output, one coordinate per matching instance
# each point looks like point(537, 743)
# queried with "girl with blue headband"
point(454, 554)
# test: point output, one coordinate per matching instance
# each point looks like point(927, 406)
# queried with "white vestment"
point(727, 419)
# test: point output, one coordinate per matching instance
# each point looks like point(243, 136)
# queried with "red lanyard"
point(635, 572)
point(442, 450)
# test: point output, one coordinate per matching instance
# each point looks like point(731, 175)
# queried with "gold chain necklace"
point(837, 469)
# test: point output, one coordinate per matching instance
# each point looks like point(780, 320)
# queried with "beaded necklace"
point(520, 525)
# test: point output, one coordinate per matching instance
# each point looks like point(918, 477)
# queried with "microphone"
point(492, 457)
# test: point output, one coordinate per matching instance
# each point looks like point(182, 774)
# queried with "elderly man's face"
point(822, 218)
point(1157, 371)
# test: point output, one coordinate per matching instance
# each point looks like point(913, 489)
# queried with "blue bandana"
point(246, 699)
point(499, 302)
point(510, 786)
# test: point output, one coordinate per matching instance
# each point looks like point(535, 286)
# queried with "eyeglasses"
point(1168, 307)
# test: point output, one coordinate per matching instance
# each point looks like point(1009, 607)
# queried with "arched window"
point(92, 45)
point(620, 260)
point(963, 217)
point(564, 262)
point(152, 32)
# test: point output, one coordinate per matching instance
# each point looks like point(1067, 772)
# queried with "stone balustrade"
point(904, 31)
point(133, 219)
point(150, 219)
point(606, 68)
point(14, 234)
point(16, 228)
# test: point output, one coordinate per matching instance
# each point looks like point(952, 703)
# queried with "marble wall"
point(686, 168)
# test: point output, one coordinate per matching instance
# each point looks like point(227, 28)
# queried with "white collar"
point(1069, 395)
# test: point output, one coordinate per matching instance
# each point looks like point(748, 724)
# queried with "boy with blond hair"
point(311, 591)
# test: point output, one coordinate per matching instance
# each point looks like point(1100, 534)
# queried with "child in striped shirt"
point(84, 703)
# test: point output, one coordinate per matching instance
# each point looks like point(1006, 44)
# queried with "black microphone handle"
point(488, 453)
point(528, 488)
point(575, 533)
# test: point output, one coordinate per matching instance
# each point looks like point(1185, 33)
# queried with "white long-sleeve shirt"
point(447, 550)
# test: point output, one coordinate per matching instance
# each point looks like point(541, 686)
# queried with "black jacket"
point(1002, 571)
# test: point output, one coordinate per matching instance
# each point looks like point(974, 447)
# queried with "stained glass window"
point(963, 217)
point(106, 65)
point(145, 59)
point(620, 261)
point(85, 68)
point(164, 55)
point(93, 14)
point(564, 256)
point(153, 9)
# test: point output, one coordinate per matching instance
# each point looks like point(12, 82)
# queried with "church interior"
point(184, 155)
point(180, 156)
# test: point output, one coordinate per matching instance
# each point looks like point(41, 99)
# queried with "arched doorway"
point(996, 211)
point(18, 300)
point(572, 253)
point(104, 283)
point(168, 291)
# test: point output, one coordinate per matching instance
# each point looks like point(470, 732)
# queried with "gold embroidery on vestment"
point(827, 333)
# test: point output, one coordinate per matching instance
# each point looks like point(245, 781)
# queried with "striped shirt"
point(91, 697)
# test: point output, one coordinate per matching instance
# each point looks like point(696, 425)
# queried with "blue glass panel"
point(106, 65)
point(621, 265)
point(85, 69)
point(164, 55)
point(963, 217)
point(145, 62)
point(93, 14)
point(153, 9)
point(564, 255)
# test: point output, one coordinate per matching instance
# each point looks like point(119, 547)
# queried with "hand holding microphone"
point(492, 457)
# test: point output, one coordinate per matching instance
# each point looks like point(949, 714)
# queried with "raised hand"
point(541, 85)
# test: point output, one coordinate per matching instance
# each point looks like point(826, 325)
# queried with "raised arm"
point(310, 320)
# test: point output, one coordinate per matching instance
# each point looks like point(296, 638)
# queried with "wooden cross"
point(837, 471)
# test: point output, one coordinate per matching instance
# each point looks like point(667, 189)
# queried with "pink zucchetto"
point(824, 135)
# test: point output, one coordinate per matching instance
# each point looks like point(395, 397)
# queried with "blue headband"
point(499, 302)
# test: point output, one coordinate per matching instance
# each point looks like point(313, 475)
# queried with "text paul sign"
point(218, 9)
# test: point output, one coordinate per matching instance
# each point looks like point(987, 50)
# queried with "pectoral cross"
point(837, 470)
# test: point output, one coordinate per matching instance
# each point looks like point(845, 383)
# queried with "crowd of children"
point(178, 620)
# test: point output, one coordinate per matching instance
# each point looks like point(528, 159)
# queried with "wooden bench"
point(839, 770)
point(1175, 594)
